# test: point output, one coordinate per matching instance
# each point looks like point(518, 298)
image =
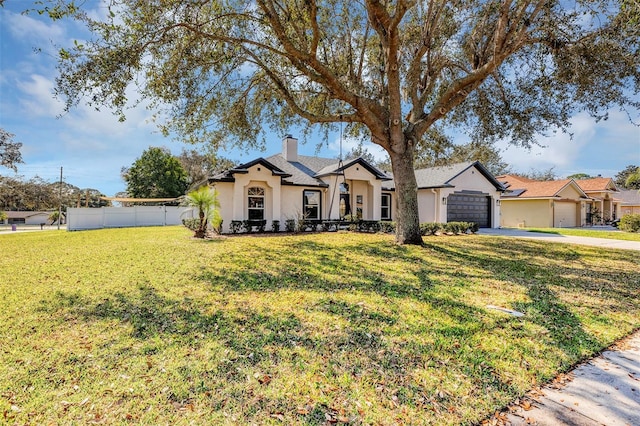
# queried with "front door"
point(345, 205)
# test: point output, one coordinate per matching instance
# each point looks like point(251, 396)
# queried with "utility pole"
point(60, 203)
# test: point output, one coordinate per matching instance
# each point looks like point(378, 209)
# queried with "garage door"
point(564, 214)
point(469, 208)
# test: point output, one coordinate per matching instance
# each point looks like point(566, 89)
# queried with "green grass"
point(586, 232)
point(148, 326)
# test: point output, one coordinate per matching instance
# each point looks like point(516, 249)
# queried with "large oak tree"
point(398, 72)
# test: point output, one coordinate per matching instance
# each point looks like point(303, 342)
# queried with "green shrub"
point(456, 228)
point(275, 226)
point(290, 225)
point(216, 223)
point(474, 227)
point(192, 223)
point(430, 228)
point(387, 227)
point(301, 225)
point(630, 223)
point(236, 226)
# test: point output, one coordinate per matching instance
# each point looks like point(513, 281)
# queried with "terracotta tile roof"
point(544, 189)
point(521, 187)
point(513, 178)
point(597, 184)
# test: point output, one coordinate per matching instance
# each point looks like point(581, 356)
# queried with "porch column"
point(377, 199)
point(238, 200)
point(333, 199)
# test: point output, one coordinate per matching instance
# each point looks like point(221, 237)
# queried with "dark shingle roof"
point(629, 197)
point(307, 171)
point(441, 177)
point(302, 171)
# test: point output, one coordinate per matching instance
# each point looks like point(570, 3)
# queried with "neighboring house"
point(28, 218)
point(291, 186)
point(603, 207)
point(547, 204)
point(630, 201)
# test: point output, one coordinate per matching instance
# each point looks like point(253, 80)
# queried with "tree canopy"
point(156, 174)
point(199, 166)
point(580, 176)
point(9, 150)
point(629, 178)
point(34, 194)
point(399, 73)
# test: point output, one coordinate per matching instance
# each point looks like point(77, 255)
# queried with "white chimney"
point(290, 148)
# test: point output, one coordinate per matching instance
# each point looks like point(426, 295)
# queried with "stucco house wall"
point(284, 177)
point(526, 213)
point(470, 181)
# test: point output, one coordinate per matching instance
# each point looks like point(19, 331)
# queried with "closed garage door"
point(469, 208)
point(564, 214)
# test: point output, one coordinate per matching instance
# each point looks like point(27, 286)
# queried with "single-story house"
point(290, 186)
point(629, 201)
point(27, 218)
point(528, 203)
point(603, 207)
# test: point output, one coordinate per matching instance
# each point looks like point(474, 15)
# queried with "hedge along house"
point(545, 204)
point(291, 186)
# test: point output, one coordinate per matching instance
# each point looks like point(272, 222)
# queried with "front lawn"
point(590, 232)
point(148, 326)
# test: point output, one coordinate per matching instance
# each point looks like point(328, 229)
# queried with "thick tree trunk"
point(407, 219)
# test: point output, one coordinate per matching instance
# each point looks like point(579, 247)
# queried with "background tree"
point(394, 71)
point(361, 151)
point(3, 216)
point(633, 180)
point(54, 217)
point(541, 175)
point(623, 176)
point(200, 166)
point(9, 150)
point(156, 174)
point(578, 176)
point(37, 194)
point(442, 152)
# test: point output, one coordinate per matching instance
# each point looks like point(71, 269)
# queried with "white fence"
point(126, 217)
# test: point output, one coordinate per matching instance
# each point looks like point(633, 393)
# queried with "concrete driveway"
point(567, 239)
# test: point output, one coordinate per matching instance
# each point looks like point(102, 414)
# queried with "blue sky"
point(92, 146)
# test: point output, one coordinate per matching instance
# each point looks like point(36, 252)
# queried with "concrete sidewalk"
point(602, 391)
point(567, 239)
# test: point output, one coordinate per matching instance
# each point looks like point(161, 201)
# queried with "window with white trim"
point(311, 204)
point(255, 203)
point(385, 209)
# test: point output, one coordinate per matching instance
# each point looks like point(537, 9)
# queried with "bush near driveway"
point(150, 326)
point(630, 223)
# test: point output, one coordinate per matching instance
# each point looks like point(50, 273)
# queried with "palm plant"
point(206, 201)
point(54, 216)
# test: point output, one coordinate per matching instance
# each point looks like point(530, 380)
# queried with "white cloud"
point(565, 153)
point(28, 29)
point(38, 97)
